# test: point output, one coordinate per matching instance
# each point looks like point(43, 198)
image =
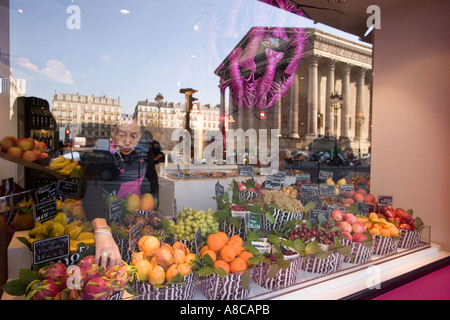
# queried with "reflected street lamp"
point(336, 103)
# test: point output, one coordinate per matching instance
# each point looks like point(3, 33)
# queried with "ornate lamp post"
point(336, 102)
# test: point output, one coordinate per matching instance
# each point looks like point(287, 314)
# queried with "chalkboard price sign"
point(346, 187)
point(310, 189)
point(115, 210)
point(274, 182)
point(302, 176)
point(328, 189)
point(198, 239)
point(364, 208)
point(45, 210)
point(245, 171)
point(314, 215)
point(46, 193)
point(384, 201)
point(219, 189)
point(324, 175)
point(133, 237)
point(50, 249)
point(68, 189)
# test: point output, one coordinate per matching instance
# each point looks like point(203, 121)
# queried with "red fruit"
point(349, 194)
point(405, 226)
point(53, 271)
point(15, 152)
point(358, 227)
point(86, 262)
point(349, 201)
point(242, 187)
point(359, 237)
point(350, 218)
point(389, 214)
point(46, 290)
point(362, 191)
point(347, 235)
point(252, 190)
point(118, 276)
point(346, 227)
point(337, 215)
point(96, 289)
point(399, 212)
point(407, 218)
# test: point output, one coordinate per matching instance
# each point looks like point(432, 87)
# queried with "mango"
point(147, 202)
point(133, 202)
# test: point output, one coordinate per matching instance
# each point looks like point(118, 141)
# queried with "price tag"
point(51, 249)
point(46, 193)
point(175, 211)
point(133, 237)
point(68, 189)
point(246, 171)
point(310, 189)
point(302, 176)
point(273, 182)
point(45, 210)
point(219, 189)
point(384, 201)
point(328, 189)
point(314, 215)
point(324, 175)
point(115, 210)
point(253, 221)
point(346, 187)
point(364, 208)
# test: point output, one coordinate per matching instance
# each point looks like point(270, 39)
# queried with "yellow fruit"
point(171, 272)
point(157, 275)
point(73, 246)
point(133, 202)
point(144, 269)
point(147, 202)
point(85, 236)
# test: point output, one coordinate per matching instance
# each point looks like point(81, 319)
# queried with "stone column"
point(312, 96)
point(277, 117)
point(329, 112)
point(293, 121)
point(360, 102)
point(346, 104)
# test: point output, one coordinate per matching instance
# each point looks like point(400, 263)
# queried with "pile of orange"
point(227, 253)
point(379, 226)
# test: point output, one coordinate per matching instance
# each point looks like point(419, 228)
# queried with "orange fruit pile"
point(227, 253)
point(158, 262)
point(379, 226)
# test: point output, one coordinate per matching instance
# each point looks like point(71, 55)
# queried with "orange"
point(227, 253)
point(375, 231)
point(171, 272)
point(189, 257)
point(215, 242)
point(237, 238)
point(245, 255)
point(223, 235)
point(238, 265)
point(373, 216)
point(203, 249)
point(211, 253)
point(236, 246)
point(378, 226)
point(222, 264)
point(393, 231)
point(385, 232)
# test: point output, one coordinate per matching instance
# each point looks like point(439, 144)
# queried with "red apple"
point(389, 214)
point(25, 144)
point(407, 218)
point(32, 155)
point(337, 215)
point(298, 183)
point(8, 142)
point(405, 226)
point(15, 151)
point(358, 227)
point(346, 227)
point(399, 212)
point(350, 218)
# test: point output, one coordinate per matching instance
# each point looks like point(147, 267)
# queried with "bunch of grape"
point(324, 234)
point(188, 221)
point(284, 202)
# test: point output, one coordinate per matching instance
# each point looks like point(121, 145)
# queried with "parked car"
point(98, 163)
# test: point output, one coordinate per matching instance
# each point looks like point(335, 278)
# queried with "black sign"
point(302, 176)
point(45, 210)
point(314, 215)
point(68, 189)
point(384, 201)
point(246, 171)
point(133, 237)
point(324, 175)
point(115, 210)
point(346, 187)
point(327, 189)
point(364, 208)
point(51, 249)
point(273, 182)
point(310, 189)
point(198, 239)
point(46, 193)
point(219, 189)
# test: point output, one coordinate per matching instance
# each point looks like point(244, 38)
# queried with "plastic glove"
point(106, 249)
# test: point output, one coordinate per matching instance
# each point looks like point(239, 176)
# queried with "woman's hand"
point(106, 251)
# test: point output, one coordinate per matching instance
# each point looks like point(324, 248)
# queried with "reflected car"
point(98, 163)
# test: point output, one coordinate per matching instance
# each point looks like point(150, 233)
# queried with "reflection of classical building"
point(161, 118)
point(87, 116)
point(329, 64)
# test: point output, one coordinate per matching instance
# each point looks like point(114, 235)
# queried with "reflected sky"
point(133, 49)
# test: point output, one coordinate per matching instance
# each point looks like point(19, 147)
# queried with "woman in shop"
point(154, 156)
point(124, 139)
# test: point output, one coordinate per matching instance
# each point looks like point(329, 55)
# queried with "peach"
point(164, 257)
point(362, 191)
point(358, 227)
point(337, 215)
point(347, 235)
point(349, 194)
point(8, 142)
point(350, 218)
point(346, 227)
point(15, 152)
point(32, 155)
point(358, 197)
point(41, 146)
point(349, 201)
point(359, 237)
point(26, 144)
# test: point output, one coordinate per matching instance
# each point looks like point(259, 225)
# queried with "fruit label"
point(324, 175)
point(219, 189)
point(327, 189)
point(46, 193)
point(175, 210)
point(45, 211)
point(246, 171)
point(310, 189)
point(273, 182)
point(262, 246)
point(133, 237)
point(384, 201)
point(115, 210)
point(314, 215)
point(253, 221)
point(364, 208)
point(51, 249)
point(302, 177)
point(68, 189)
point(346, 187)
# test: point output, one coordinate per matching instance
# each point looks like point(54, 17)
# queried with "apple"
point(298, 183)
point(350, 218)
point(399, 212)
point(15, 151)
point(25, 144)
point(358, 227)
point(405, 226)
point(32, 155)
point(407, 218)
point(41, 146)
point(8, 142)
point(346, 227)
point(389, 214)
point(337, 215)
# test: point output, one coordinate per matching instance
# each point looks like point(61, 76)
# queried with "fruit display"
point(23, 221)
point(188, 220)
point(84, 280)
point(25, 148)
point(360, 195)
point(79, 231)
point(151, 224)
point(159, 263)
point(283, 201)
point(63, 166)
point(73, 208)
point(378, 225)
point(353, 228)
point(134, 202)
point(250, 185)
point(290, 191)
point(403, 220)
